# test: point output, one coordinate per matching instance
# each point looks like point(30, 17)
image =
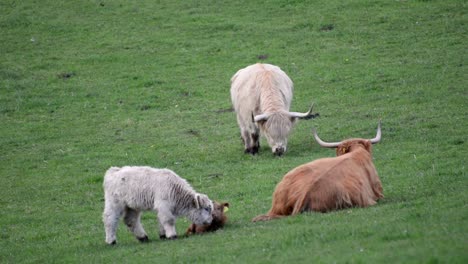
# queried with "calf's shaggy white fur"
point(130, 190)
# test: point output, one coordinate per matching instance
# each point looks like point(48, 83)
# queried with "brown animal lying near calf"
point(326, 184)
point(219, 219)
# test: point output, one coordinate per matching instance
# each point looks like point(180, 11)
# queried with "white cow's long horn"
point(261, 117)
point(305, 115)
point(323, 143)
point(378, 136)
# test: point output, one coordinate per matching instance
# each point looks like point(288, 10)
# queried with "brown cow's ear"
point(341, 150)
point(368, 146)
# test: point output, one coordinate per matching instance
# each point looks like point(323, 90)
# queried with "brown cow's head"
point(349, 145)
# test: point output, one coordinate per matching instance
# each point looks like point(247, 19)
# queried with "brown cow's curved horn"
point(323, 143)
point(378, 136)
point(261, 117)
point(306, 115)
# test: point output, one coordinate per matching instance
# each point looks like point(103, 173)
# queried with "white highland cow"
point(130, 190)
point(261, 95)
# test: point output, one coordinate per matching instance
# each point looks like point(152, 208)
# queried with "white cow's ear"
point(196, 201)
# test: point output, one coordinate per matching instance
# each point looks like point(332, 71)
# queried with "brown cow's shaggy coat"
point(348, 180)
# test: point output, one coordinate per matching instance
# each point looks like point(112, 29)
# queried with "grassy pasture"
point(85, 85)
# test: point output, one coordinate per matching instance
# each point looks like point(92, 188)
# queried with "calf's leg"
point(111, 216)
point(167, 224)
point(162, 232)
point(132, 220)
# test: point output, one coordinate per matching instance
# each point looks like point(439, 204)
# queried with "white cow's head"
point(277, 126)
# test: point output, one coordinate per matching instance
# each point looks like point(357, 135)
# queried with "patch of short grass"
point(86, 85)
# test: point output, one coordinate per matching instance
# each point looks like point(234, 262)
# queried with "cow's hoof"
point(173, 237)
point(112, 243)
point(143, 239)
point(253, 150)
point(162, 237)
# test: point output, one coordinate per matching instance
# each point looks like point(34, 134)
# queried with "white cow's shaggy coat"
point(261, 95)
point(131, 190)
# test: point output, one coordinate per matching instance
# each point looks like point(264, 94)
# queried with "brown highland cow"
point(348, 180)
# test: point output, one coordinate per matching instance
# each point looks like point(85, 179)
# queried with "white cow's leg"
point(250, 136)
point(255, 140)
point(247, 141)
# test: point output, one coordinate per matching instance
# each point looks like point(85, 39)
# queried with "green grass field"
point(85, 85)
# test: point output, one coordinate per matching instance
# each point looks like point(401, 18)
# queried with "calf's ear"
point(201, 201)
point(196, 201)
point(225, 207)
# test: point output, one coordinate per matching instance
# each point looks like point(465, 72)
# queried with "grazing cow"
point(130, 190)
point(219, 220)
point(261, 95)
point(326, 184)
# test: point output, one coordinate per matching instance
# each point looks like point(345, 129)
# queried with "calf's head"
point(201, 211)
point(219, 211)
point(219, 219)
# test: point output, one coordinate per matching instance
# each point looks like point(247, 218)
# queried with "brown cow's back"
point(328, 184)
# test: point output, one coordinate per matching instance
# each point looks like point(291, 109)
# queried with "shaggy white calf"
point(130, 190)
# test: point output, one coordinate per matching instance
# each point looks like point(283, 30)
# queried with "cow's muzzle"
point(279, 151)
